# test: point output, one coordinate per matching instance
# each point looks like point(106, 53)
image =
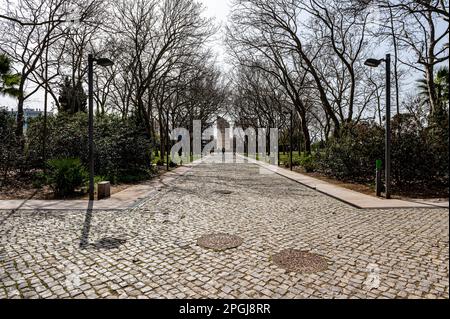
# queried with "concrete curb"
point(129, 198)
point(355, 199)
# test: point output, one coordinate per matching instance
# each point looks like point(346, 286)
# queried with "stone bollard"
point(103, 190)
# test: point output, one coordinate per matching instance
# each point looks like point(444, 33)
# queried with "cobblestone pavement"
point(151, 251)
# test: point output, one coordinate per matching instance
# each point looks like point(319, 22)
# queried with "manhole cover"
point(219, 241)
point(223, 192)
point(300, 261)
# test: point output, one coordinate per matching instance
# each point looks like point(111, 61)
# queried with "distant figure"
point(223, 150)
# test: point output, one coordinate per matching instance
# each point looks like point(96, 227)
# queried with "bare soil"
point(22, 188)
point(406, 192)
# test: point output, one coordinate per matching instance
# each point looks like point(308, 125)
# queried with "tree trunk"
point(305, 132)
point(162, 139)
point(431, 88)
point(20, 120)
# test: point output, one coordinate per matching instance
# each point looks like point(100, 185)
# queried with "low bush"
point(121, 147)
point(160, 162)
point(11, 154)
point(172, 164)
point(39, 180)
point(66, 175)
point(308, 162)
point(352, 156)
point(419, 155)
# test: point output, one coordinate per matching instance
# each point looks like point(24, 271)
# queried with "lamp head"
point(372, 62)
point(104, 62)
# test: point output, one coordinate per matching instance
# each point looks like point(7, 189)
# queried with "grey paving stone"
point(385, 253)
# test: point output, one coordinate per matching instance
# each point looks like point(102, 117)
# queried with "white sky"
point(218, 9)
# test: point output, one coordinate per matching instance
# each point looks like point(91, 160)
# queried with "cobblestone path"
point(151, 251)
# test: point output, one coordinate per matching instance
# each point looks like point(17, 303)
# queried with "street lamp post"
point(102, 62)
point(290, 140)
point(167, 140)
point(375, 63)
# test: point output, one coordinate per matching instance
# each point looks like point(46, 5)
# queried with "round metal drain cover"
point(296, 260)
point(219, 241)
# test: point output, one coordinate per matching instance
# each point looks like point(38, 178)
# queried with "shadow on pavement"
point(18, 208)
point(84, 241)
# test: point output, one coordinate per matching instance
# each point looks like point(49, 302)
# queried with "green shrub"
point(134, 175)
point(39, 180)
point(11, 154)
point(308, 162)
point(352, 156)
point(419, 155)
point(66, 175)
point(119, 145)
point(172, 164)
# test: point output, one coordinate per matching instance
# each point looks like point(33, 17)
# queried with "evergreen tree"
point(72, 98)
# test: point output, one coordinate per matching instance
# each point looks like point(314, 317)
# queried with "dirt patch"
point(29, 192)
point(361, 188)
point(418, 192)
point(22, 188)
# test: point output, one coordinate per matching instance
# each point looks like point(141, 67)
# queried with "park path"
point(151, 251)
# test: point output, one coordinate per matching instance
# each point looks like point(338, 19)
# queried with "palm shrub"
point(8, 80)
point(66, 175)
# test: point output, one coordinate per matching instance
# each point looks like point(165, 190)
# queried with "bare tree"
point(32, 26)
point(421, 33)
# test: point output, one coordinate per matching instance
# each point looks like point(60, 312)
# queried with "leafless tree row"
point(164, 75)
point(310, 55)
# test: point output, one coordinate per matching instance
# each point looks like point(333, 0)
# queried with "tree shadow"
point(109, 243)
point(84, 241)
point(18, 208)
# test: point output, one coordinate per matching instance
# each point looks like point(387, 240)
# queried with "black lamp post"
point(102, 62)
point(375, 63)
point(290, 139)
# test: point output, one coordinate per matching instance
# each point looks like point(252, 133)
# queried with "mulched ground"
point(406, 192)
point(22, 188)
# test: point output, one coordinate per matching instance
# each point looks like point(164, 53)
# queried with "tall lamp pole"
point(102, 62)
point(167, 140)
point(290, 140)
point(388, 126)
point(375, 63)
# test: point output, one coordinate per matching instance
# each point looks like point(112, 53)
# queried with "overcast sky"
point(219, 9)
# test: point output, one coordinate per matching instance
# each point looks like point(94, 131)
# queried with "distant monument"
point(223, 141)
